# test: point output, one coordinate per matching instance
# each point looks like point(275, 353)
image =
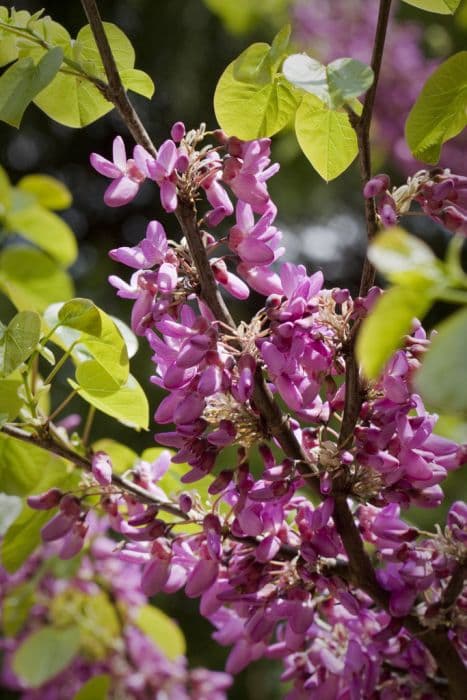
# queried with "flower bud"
point(45, 501)
point(178, 131)
point(376, 186)
point(101, 468)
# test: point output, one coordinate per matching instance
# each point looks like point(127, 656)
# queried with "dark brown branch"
point(115, 92)
point(51, 444)
point(274, 421)
point(454, 587)
point(354, 392)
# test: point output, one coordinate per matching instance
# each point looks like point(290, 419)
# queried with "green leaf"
point(44, 653)
point(442, 7)
point(279, 45)
point(8, 48)
point(22, 537)
point(96, 688)
point(127, 403)
point(31, 279)
point(122, 457)
point(394, 252)
point(10, 402)
point(22, 466)
point(46, 470)
point(16, 607)
point(249, 110)
point(131, 341)
point(19, 340)
point(95, 615)
point(87, 53)
point(107, 347)
point(72, 101)
point(240, 16)
point(20, 84)
point(326, 137)
point(47, 230)
point(440, 112)
point(162, 630)
point(48, 191)
point(254, 65)
point(138, 81)
point(452, 427)
point(391, 319)
point(342, 80)
point(82, 315)
point(5, 192)
point(441, 377)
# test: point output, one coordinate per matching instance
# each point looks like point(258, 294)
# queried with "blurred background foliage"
point(185, 45)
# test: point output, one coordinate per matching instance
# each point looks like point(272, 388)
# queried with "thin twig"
point(48, 442)
point(354, 394)
point(455, 586)
point(116, 92)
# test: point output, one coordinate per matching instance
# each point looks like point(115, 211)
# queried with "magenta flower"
point(162, 170)
point(127, 175)
point(152, 250)
point(256, 243)
point(102, 468)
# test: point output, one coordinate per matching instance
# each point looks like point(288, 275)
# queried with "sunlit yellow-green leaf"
point(18, 340)
point(10, 402)
point(101, 342)
point(23, 81)
point(395, 252)
point(127, 403)
point(441, 379)
point(47, 230)
point(390, 320)
point(240, 16)
point(96, 688)
point(441, 7)
point(5, 191)
point(440, 112)
point(86, 51)
point(31, 279)
point(35, 470)
point(72, 101)
point(16, 606)
point(94, 614)
point(138, 81)
point(162, 630)
point(326, 137)
point(44, 653)
point(82, 315)
point(48, 191)
point(251, 110)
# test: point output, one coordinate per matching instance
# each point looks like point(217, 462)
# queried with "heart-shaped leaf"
point(19, 340)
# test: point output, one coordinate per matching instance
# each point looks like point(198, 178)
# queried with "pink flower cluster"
point(269, 567)
point(440, 194)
